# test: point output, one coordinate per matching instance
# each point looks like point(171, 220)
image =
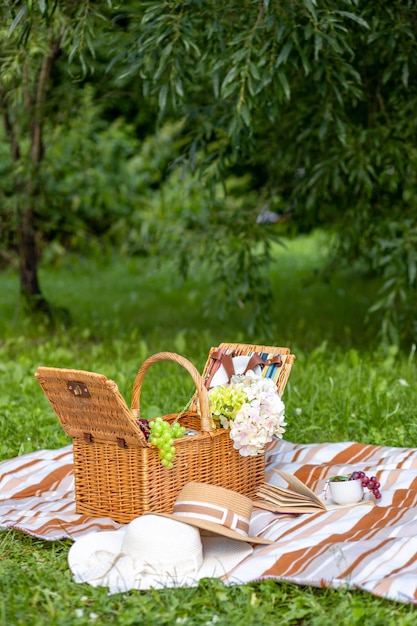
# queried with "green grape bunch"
point(162, 435)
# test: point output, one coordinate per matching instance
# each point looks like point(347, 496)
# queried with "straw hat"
point(152, 551)
point(215, 509)
point(168, 550)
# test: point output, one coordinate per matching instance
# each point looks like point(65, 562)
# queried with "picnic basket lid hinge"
point(88, 438)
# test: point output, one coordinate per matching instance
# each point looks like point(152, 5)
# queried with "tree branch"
point(40, 97)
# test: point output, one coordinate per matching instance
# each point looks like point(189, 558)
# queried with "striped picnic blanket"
point(373, 548)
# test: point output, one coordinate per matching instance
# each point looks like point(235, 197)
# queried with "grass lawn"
point(343, 387)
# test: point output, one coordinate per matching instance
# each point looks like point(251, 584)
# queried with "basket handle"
point(205, 415)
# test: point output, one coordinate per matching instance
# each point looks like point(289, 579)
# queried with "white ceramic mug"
point(345, 491)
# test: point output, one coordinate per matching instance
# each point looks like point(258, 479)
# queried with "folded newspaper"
point(298, 499)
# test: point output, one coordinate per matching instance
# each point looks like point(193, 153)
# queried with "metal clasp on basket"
point(78, 389)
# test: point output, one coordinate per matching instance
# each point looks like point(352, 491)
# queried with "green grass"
point(342, 387)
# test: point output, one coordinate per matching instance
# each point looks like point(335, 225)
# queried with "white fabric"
point(239, 365)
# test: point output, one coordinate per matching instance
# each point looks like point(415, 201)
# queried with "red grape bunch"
point(372, 483)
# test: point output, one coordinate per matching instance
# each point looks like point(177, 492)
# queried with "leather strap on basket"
point(205, 415)
point(257, 360)
point(224, 359)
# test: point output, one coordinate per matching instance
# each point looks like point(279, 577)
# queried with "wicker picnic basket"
point(118, 474)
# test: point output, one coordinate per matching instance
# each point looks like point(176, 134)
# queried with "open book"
point(298, 499)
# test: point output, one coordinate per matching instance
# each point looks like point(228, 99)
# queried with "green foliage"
point(310, 104)
point(99, 186)
point(395, 257)
point(221, 236)
point(89, 170)
point(314, 100)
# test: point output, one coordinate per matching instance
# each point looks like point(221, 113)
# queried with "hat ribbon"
point(212, 513)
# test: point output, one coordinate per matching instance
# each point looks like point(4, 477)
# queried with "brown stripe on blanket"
point(383, 587)
point(48, 483)
point(291, 563)
point(355, 453)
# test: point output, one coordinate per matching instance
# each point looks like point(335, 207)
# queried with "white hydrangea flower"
point(253, 410)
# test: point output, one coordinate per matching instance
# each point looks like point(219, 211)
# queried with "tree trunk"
point(27, 192)
point(28, 259)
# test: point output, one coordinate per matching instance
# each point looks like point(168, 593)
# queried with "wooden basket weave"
point(117, 473)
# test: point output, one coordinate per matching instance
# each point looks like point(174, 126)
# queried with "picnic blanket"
point(372, 548)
